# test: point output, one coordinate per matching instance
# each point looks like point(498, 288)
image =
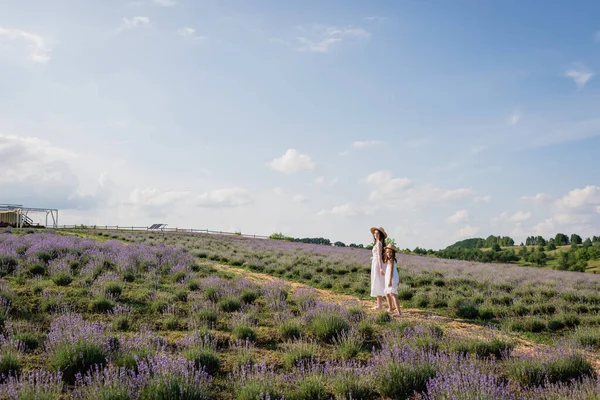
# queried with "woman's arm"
point(379, 260)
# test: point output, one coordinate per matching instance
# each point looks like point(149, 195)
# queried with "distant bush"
point(243, 332)
point(204, 358)
point(79, 357)
point(328, 326)
point(290, 329)
point(62, 279)
point(229, 304)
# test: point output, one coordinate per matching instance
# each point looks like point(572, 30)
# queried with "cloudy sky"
point(310, 118)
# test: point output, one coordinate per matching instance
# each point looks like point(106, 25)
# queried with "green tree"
point(576, 239)
point(339, 244)
point(391, 241)
point(561, 239)
point(587, 243)
point(563, 261)
point(551, 245)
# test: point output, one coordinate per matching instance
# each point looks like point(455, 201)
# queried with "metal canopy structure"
point(17, 215)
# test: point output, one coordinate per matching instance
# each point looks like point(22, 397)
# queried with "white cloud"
point(344, 210)
point(572, 219)
point(580, 74)
point(376, 18)
point(37, 48)
point(135, 22)
point(165, 3)
point(482, 199)
point(322, 40)
point(538, 199)
point(456, 194)
point(520, 216)
point(220, 198)
point(385, 185)
point(34, 171)
point(514, 118)
point(366, 143)
point(467, 231)
point(402, 192)
point(230, 197)
point(580, 199)
point(292, 161)
point(189, 32)
point(458, 216)
point(321, 181)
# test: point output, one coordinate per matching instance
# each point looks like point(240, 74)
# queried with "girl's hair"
point(386, 258)
point(382, 240)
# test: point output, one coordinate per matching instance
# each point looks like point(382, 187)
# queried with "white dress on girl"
point(377, 280)
point(395, 280)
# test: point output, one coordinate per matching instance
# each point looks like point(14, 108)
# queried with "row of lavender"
point(516, 298)
point(223, 338)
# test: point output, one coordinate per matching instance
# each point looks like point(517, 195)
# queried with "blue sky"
point(437, 120)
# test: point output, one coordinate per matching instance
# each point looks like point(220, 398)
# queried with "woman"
point(391, 279)
point(377, 266)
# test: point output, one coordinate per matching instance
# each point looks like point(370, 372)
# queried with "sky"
point(437, 120)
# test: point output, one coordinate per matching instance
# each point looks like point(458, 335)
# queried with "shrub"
point(254, 389)
point(399, 381)
point(204, 358)
point(311, 388)
point(10, 363)
point(30, 340)
point(248, 296)
point(348, 344)
point(37, 269)
point(383, 318)
point(62, 279)
point(486, 313)
point(207, 315)
point(587, 337)
point(128, 276)
point(181, 295)
point(365, 328)
point(8, 264)
point(212, 293)
point(171, 323)
point(534, 372)
point(350, 385)
point(178, 276)
point(464, 308)
point(102, 304)
point(290, 329)
point(299, 352)
point(230, 304)
point(481, 348)
point(193, 286)
point(175, 387)
point(243, 332)
point(113, 289)
point(405, 294)
point(122, 323)
point(328, 326)
point(71, 358)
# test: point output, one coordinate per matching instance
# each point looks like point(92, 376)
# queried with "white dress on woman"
point(377, 280)
point(395, 280)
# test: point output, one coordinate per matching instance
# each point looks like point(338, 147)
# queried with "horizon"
point(439, 123)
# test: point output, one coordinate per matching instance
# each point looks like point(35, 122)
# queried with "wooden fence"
point(146, 228)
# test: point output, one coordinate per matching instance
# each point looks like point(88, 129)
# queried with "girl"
point(391, 279)
point(377, 266)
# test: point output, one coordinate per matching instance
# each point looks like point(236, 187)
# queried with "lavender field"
point(151, 316)
point(540, 302)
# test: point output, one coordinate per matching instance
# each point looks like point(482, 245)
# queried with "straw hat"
point(380, 229)
point(392, 247)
